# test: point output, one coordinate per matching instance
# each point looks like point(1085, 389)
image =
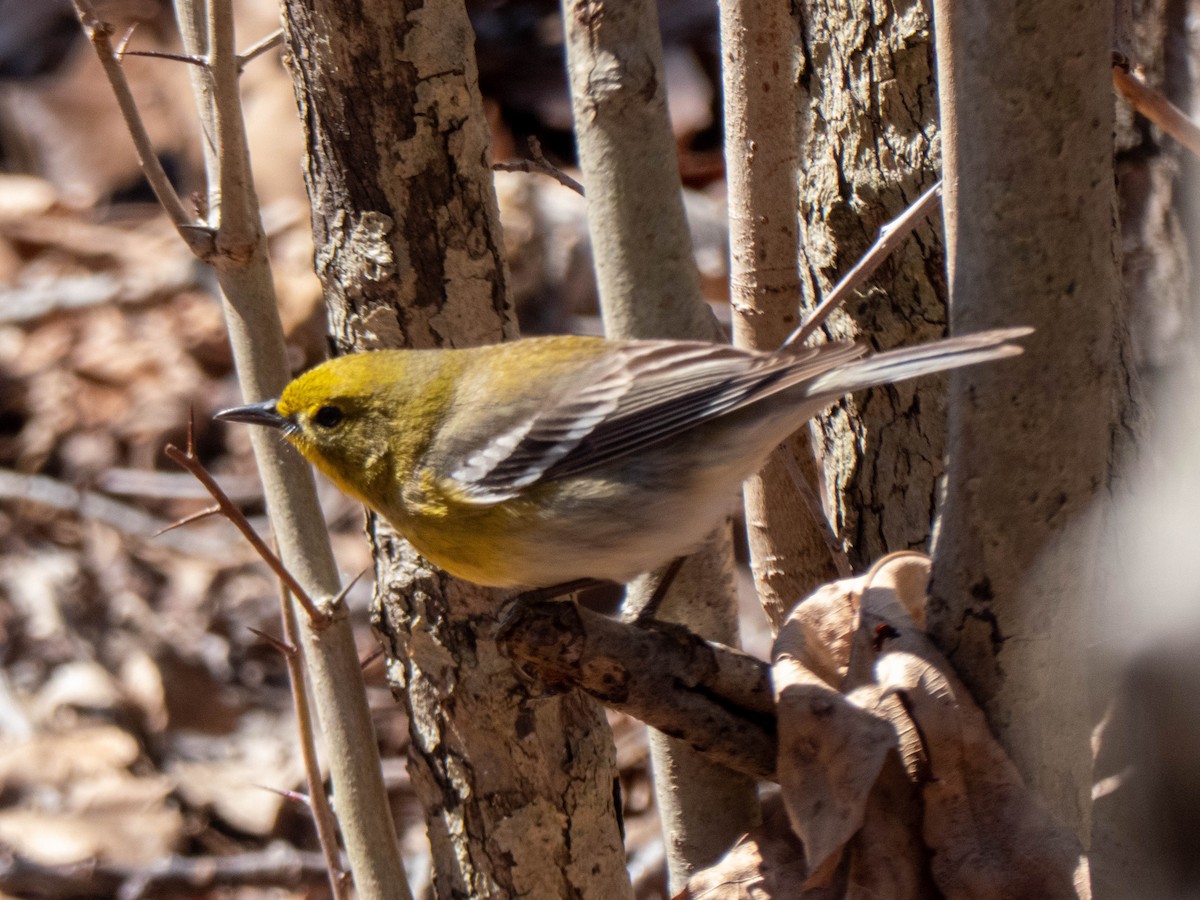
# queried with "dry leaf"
point(75, 799)
point(830, 749)
point(989, 835)
point(767, 863)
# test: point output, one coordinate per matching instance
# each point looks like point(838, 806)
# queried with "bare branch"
point(164, 54)
point(205, 513)
point(198, 239)
point(188, 461)
point(1154, 106)
point(318, 800)
point(716, 699)
point(890, 236)
point(538, 163)
point(270, 42)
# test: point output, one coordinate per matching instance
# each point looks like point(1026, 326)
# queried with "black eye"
point(327, 416)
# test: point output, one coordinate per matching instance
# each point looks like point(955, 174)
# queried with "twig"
point(124, 42)
point(1154, 106)
point(198, 238)
point(890, 236)
point(164, 54)
point(188, 461)
point(813, 504)
point(206, 513)
point(271, 41)
point(538, 163)
point(716, 699)
point(318, 800)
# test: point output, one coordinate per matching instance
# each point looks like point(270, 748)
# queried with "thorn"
point(370, 657)
point(282, 646)
point(341, 595)
point(191, 433)
point(124, 42)
point(188, 520)
point(293, 796)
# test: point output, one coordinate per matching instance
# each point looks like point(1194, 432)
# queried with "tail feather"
point(913, 362)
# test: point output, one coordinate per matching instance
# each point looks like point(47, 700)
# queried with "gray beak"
point(254, 414)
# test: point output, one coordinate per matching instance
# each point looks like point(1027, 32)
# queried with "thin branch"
point(1154, 106)
point(124, 42)
point(716, 699)
point(318, 800)
point(890, 236)
point(206, 513)
point(538, 163)
point(813, 504)
point(199, 240)
point(270, 42)
point(188, 461)
point(164, 54)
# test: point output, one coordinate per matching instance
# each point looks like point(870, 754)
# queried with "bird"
point(550, 460)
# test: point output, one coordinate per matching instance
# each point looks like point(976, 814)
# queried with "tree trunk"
point(518, 791)
point(1027, 125)
point(650, 288)
point(788, 554)
point(868, 111)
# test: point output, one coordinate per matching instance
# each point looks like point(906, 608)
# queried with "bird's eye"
point(328, 416)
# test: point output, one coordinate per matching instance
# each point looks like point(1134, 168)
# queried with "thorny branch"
point(537, 162)
point(226, 507)
point(1154, 106)
point(197, 236)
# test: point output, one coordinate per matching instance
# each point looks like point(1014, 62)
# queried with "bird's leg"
point(524, 602)
point(557, 591)
point(648, 611)
point(526, 599)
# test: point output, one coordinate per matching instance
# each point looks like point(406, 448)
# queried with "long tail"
point(912, 362)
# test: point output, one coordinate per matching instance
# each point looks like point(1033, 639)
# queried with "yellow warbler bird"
point(551, 459)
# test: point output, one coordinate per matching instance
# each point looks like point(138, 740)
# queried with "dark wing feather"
point(642, 393)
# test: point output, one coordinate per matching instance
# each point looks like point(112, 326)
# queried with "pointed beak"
point(254, 414)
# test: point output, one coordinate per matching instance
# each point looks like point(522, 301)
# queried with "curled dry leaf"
point(767, 863)
point(989, 835)
point(856, 677)
point(831, 750)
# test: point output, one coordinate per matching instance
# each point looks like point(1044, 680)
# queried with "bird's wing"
point(642, 393)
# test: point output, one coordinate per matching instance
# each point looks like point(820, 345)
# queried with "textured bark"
point(789, 557)
point(1156, 255)
point(517, 791)
point(868, 111)
point(649, 288)
point(1026, 103)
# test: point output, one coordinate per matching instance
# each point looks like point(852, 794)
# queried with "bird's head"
point(344, 416)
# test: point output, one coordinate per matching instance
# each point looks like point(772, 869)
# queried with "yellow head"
point(361, 419)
